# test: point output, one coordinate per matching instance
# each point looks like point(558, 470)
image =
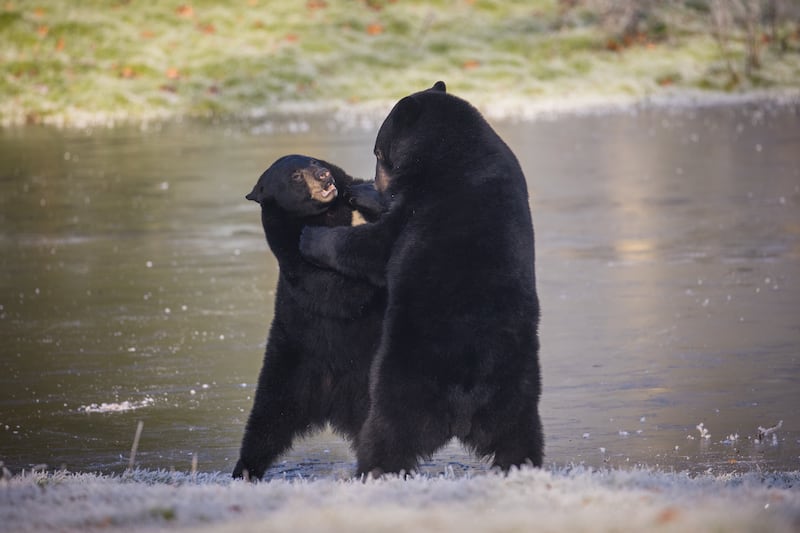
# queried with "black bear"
point(458, 355)
point(326, 326)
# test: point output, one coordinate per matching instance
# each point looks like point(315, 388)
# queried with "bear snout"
point(323, 174)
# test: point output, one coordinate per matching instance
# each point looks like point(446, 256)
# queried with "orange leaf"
point(291, 38)
point(38, 12)
point(667, 515)
point(207, 28)
point(42, 31)
point(173, 74)
point(127, 73)
point(185, 10)
point(146, 34)
point(470, 64)
point(374, 29)
point(60, 44)
point(313, 5)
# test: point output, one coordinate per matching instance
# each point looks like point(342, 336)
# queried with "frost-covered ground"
point(561, 499)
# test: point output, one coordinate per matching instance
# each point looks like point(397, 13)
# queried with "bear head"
point(423, 134)
point(298, 184)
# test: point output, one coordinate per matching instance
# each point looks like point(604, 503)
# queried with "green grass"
point(134, 60)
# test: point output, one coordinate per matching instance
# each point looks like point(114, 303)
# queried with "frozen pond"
point(135, 274)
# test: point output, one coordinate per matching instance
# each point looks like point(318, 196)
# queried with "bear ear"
point(255, 195)
point(260, 192)
point(439, 86)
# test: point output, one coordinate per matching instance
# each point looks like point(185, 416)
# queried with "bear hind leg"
point(390, 445)
point(510, 444)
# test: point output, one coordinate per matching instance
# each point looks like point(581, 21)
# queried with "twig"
point(764, 432)
point(721, 22)
point(135, 446)
point(194, 467)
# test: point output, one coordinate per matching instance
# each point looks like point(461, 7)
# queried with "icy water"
point(136, 285)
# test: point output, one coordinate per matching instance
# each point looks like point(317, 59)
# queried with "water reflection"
point(133, 270)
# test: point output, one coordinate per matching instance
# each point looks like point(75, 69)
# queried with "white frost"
point(116, 407)
point(560, 499)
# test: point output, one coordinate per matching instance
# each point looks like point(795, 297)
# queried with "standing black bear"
point(326, 326)
point(459, 350)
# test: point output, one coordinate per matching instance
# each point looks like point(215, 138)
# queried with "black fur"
point(459, 350)
point(326, 326)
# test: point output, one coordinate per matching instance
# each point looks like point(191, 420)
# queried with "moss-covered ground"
point(97, 61)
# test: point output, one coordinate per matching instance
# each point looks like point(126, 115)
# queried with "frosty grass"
point(557, 499)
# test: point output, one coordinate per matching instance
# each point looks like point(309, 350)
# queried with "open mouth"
point(328, 189)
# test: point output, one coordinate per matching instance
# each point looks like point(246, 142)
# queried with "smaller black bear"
point(326, 326)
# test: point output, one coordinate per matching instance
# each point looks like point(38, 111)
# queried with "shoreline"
point(340, 115)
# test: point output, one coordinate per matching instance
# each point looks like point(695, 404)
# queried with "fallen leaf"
point(207, 28)
point(127, 73)
point(173, 74)
point(42, 31)
point(470, 64)
point(60, 44)
point(374, 29)
point(38, 12)
point(667, 515)
point(313, 5)
point(185, 11)
point(291, 38)
point(146, 34)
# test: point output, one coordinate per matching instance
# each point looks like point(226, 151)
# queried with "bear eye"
point(297, 176)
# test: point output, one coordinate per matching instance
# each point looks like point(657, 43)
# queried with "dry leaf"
point(667, 515)
point(185, 11)
point(374, 29)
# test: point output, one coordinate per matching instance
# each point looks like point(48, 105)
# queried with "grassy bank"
point(79, 63)
point(527, 500)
